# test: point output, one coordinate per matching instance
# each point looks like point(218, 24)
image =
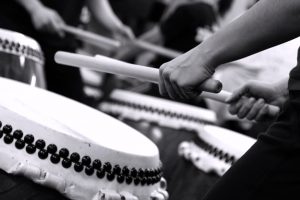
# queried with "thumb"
point(211, 85)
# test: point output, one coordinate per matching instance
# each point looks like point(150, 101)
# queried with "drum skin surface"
point(88, 135)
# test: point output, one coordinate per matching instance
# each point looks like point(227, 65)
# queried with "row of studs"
point(20, 49)
point(216, 152)
point(157, 110)
point(141, 176)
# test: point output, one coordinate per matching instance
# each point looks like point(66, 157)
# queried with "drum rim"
point(21, 45)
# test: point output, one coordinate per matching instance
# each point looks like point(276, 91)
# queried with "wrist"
point(207, 58)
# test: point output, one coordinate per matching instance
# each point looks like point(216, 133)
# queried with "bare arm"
point(30, 5)
point(43, 18)
point(266, 24)
point(103, 14)
point(130, 50)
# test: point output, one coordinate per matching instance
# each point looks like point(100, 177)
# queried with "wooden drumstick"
point(157, 49)
point(109, 65)
point(91, 38)
point(98, 40)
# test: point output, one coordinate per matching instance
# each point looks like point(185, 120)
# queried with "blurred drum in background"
point(21, 58)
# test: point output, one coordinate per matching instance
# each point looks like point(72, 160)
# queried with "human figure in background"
point(269, 170)
point(43, 19)
point(178, 27)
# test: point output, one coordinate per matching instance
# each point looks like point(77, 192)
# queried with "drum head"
point(63, 123)
point(74, 118)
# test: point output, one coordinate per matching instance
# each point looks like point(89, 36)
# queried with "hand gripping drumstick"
point(98, 40)
point(109, 65)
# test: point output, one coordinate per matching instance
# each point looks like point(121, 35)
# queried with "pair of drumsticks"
point(113, 66)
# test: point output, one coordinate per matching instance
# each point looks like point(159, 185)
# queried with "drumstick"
point(109, 65)
point(157, 49)
point(91, 38)
point(96, 39)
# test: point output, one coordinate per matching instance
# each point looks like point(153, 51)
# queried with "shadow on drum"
point(21, 59)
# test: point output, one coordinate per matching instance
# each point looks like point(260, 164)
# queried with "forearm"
point(266, 24)
point(152, 36)
point(103, 14)
point(30, 5)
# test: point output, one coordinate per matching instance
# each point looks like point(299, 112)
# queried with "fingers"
point(49, 21)
point(55, 25)
point(246, 107)
point(238, 94)
point(250, 108)
point(168, 84)
point(235, 107)
point(59, 24)
point(262, 113)
point(255, 110)
point(129, 33)
point(124, 34)
point(178, 90)
point(183, 78)
point(211, 85)
point(162, 88)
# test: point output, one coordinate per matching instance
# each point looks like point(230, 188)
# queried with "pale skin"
point(258, 29)
point(48, 20)
point(260, 94)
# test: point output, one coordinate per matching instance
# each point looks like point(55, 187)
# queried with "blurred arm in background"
point(103, 14)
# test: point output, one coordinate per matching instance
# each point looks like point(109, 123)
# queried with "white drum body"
point(79, 151)
point(21, 58)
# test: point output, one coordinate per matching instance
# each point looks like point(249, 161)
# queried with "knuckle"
point(261, 101)
point(161, 69)
point(252, 100)
point(247, 105)
point(165, 73)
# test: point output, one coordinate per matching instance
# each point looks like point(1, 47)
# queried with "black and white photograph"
point(149, 99)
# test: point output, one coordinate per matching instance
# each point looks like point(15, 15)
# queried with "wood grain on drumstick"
point(113, 66)
point(98, 40)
